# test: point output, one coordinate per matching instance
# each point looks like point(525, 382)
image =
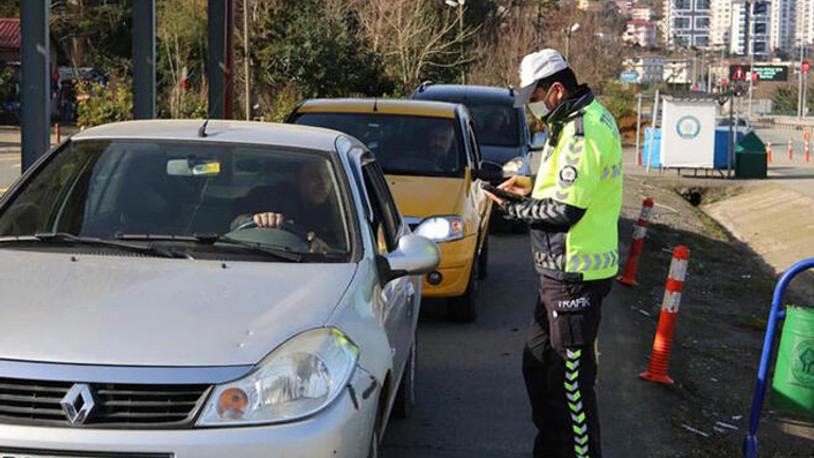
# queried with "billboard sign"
point(629, 77)
point(760, 72)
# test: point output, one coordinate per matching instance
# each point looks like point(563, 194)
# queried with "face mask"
point(538, 109)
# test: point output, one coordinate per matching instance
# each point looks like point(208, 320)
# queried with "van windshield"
point(496, 125)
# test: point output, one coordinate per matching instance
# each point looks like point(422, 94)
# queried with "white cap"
point(534, 67)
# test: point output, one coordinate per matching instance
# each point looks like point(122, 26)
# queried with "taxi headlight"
point(442, 228)
point(298, 379)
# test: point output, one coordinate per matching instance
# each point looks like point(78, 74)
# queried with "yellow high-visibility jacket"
point(574, 209)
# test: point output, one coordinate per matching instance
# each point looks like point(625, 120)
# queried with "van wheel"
point(462, 308)
point(483, 259)
point(405, 399)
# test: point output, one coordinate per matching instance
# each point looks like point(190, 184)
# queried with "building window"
point(760, 28)
point(682, 40)
point(701, 40)
point(681, 23)
point(683, 5)
point(701, 4)
point(702, 23)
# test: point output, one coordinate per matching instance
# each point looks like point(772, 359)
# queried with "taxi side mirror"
point(488, 171)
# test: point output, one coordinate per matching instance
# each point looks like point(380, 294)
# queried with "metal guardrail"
point(784, 122)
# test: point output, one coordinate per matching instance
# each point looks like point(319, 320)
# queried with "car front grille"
point(116, 405)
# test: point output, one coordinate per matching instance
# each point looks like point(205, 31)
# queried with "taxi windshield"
point(204, 193)
point(403, 145)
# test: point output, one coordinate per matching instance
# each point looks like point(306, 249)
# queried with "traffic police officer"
point(572, 212)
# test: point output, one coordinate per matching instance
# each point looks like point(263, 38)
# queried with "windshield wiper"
point(64, 237)
point(278, 252)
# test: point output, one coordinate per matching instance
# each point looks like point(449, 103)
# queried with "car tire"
point(405, 398)
point(483, 259)
point(463, 308)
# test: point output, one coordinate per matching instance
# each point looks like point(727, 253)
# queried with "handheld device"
point(501, 193)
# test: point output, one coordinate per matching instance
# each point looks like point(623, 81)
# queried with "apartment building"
point(687, 23)
point(644, 13)
point(751, 30)
point(640, 32)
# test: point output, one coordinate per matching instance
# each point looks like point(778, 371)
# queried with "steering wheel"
point(287, 226)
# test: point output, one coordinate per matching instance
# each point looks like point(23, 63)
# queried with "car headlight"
point(441, 228)
point(515, 166)
point(298, 379)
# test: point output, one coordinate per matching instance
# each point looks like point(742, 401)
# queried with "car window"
point(113, 189)
point(385, 216)
point(497, 125)
point(403, 145)
point(473, 140)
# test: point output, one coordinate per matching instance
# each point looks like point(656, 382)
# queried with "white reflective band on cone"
point(639, 231)
point(678, 269)
point(671, 302)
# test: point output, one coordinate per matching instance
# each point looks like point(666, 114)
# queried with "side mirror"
point(489, 171)
point(414, 255)
point(538, 141)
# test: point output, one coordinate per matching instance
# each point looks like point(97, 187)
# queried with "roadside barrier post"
point(769, 152)
point(807, 144)
point(663, 342)
point(56, 133)
point(628, 276)
point(791, 151)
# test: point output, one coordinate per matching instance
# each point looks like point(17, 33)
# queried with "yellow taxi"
point(429, 153)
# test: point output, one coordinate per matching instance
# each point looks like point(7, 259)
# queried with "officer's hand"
point(494, 198)
point(268, 220)
point(517, 184)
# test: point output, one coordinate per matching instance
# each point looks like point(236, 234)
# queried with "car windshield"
point(203, 192)
point(496, 125)
point(403, 145)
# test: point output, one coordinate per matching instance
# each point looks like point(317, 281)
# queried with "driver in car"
point(441, 140)
point(310, 209)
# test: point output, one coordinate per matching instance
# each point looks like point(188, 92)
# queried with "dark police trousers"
point(559, 366)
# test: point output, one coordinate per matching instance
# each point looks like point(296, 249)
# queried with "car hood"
point(420, 197)
point(113, 310)
point(501, 154)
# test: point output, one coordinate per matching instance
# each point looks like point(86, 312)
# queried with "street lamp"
point(459, 4)
point(574, 27)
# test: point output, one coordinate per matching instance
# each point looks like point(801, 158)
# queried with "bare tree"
point(499, 55)
point(412, 36)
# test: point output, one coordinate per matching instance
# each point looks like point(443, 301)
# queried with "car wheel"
point(405, 399)
point(462, 308)
point(483, 259)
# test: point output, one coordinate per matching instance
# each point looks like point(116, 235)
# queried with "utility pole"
point(35, 80)
point(461, 37)
point(800, 90)
point(246, 75)
point(750, 46)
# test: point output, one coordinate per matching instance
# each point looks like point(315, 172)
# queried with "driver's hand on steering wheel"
point(268, 220)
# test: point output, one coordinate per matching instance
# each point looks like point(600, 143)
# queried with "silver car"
point(176, 290)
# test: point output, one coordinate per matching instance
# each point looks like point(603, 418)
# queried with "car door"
point(398, 296)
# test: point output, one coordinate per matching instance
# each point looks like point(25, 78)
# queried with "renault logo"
point(78, 404)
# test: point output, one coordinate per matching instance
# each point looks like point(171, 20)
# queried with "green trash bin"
point(750, 157)
point(793, 384)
